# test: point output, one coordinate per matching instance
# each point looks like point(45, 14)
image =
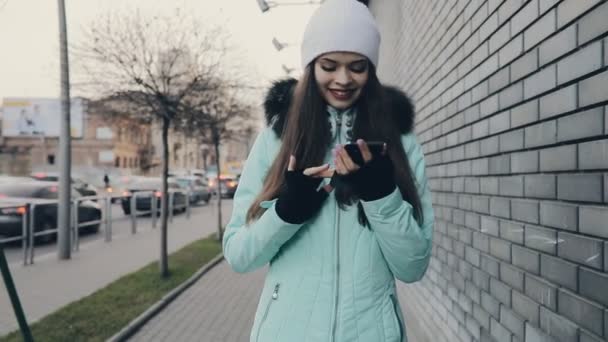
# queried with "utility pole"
point(63, 214)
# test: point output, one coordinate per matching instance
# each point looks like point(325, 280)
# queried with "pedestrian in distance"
point(336, 217)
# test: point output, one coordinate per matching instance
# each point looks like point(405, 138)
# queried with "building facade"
point(512, 114)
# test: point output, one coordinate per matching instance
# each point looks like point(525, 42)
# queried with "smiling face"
point(341, 77)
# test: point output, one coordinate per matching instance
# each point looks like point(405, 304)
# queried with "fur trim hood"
point(279, 95)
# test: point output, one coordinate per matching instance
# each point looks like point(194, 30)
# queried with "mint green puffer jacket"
point(329, 279)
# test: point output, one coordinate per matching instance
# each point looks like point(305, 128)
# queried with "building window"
point(117, 162)
point(124, 162)
point(50, 159)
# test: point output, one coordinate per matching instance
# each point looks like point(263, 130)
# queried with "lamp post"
point(267, 5)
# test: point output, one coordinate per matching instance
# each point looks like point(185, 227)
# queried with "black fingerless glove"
point(299, 199)
point(374, 180)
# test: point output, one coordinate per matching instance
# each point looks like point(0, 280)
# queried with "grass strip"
point(103, 313)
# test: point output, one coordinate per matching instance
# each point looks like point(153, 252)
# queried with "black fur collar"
point(279, 96)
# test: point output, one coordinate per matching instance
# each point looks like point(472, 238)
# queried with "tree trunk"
point(220, 230)
point(164, 262)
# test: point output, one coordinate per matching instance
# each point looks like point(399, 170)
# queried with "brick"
point(480, 166)
point(580, 125)
point(489, 26)
point(507, 9)
point(458, 249)
point(481, 204)
point(458, 185)
point(535, 334)
point(593, 90)
point(589, 337)
point(559, 215)
point(559, 271)
point(512, 277)
point(472, 256)
point(526, 259)
point(557, 45)
point(558, 102)
point(489, 185)
point(593, 155)
point(481, 242)
point(540, 29)
point(472, 291)
point(490, 145)
point(581, 311)
point(481, 279)
point(499, 80)
point(547, 4)
point(525, 210)
point(580, 249)
point(540, 186)
point(524, 162)
point(481, 316)
point(458, 217)
point(593, 24)
point(500, 207)
point(606, 51)
point(542, 81)
point(524, 65)
point(465, 133)
point(490, 265)
point(511, 186)
point(558, 327)
point(568, 10)
point(489, 225)
point(544, 133)
point(500, 249)
point(472, 221)
point(499, 164)
point(472, 149)
point(525, 307)
point(580, 63)
point(510, 51)
point(499, 38)
point(512, 231)
point(488, 106)
point(560, 158)
point(525, 113)
point(593, 221)
point(512, 322)
point(541, 291)
point(525, 17)
point(499, 332)
point(580, 187)
point(593, 285)
point(500, 122)
point(473, 327)
point(465, 302)
point(471, 185)
point(481, 129)
point(490, 304)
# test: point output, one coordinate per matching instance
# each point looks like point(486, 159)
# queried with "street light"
point(278, 45)
point(266, 5)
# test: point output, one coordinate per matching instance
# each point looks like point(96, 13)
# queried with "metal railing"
point(31, 229)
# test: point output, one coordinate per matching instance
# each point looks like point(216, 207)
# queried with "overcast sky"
point(29, 36)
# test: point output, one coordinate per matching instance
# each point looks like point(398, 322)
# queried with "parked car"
point(198, 188)
point(228, 185)
point(14, 194)
point(84, 188)
point(150, 187)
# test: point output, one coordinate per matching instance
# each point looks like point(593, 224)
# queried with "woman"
point(336, 234)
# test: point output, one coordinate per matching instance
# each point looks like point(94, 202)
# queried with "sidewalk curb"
point(125, 333)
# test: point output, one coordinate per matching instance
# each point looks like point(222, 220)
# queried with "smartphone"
point(375, 147)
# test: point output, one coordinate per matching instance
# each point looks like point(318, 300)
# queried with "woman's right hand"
point(299, 200)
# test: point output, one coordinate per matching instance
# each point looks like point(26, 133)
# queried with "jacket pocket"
point(397, 316)
point(274, 297)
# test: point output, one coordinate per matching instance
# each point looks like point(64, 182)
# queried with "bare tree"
point(216, 118)
point(149, 66)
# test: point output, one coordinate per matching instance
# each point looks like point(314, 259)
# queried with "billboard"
point(35, 117)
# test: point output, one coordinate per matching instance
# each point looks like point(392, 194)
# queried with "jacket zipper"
point(275, 296)
point(399, 323)
point(336, 301)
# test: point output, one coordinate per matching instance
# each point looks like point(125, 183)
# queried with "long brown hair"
point(307, 135)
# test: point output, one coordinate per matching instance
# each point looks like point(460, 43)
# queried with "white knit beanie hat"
point(341, 25)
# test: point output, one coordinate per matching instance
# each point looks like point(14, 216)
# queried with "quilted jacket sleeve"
point(248, 246)
point(405, 244)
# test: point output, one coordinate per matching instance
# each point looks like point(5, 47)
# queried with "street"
point(97, 263)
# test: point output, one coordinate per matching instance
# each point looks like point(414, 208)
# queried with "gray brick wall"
point(512, 113)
